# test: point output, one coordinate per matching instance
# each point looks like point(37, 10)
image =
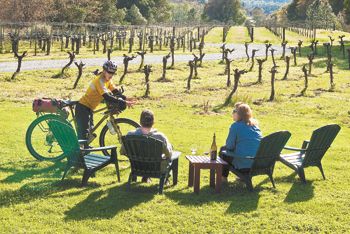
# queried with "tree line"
point(124, 12)
point(306, 9)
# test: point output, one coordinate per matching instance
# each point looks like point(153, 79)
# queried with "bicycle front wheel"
point(106, 138)
point(40, 141)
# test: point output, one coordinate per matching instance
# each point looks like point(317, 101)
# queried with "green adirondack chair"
point(145, 156)
point(78, 157)
point(311, 152)
point(264, 161)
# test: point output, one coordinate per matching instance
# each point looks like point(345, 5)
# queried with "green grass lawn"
point(34, 200)
point(322, 35)
point(238, 34)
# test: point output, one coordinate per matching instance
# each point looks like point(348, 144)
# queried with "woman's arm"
point(231, 138)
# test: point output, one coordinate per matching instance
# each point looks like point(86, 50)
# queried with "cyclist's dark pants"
point(85, 121)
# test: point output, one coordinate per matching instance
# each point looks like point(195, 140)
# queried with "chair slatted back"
point(320, 142)
point(268, 152)
point(145, 155)
point(67, 139)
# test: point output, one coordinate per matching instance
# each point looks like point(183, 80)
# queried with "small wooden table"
point(201, 162)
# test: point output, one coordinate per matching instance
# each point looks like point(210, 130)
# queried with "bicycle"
point(43, 146)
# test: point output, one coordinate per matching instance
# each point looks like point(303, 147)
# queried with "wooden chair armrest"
point(225, 152)
point(248, 157)
point(82, 141)
point(294, 149)
point(99, 149)
point(305, 144)
point(175, 155)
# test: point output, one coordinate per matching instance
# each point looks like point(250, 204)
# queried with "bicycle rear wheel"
point(40, 141)
point(106, 138)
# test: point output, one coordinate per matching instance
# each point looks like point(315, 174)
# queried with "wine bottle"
point(213, 149)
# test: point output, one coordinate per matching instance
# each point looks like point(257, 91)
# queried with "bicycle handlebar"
point(111, 108)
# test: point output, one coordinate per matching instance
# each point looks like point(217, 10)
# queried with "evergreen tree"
point(337, 5)
point(151, 10)
point(224, 11)
point(108, 12)
point(320, 15)
point(134, 16)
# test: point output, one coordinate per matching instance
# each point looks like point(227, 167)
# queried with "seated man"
point(147, 122)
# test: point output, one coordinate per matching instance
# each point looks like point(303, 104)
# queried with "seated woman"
point(243, 140)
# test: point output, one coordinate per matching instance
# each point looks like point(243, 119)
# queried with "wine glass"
point(193, 149)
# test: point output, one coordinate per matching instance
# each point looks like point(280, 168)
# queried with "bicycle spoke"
point(40, 141)
point(109, 139)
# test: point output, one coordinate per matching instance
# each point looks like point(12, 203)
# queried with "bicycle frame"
point(108, 113)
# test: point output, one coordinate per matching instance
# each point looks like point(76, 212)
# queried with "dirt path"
point(149, 59)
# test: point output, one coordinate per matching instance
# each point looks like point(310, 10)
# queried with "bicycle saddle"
point(69, 103)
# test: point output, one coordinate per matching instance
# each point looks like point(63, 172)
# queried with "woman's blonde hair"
point(245, 113)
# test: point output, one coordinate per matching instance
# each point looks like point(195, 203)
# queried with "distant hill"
point(182, 1)
point(268, 6)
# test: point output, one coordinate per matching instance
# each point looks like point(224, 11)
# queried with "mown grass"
point(33, 200)
point(322, 35)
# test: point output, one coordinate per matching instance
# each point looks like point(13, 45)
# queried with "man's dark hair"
point(147, 119)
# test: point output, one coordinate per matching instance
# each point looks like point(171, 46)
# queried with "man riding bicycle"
point(100, 88)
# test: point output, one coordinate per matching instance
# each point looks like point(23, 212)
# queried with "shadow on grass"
point(32, 170)
point(38, 190)
point(244, 203)
point(106, 204)
point(240, 199)
point(250, 84)
point(300, 192)
point(230, 102)
point(219, 107)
